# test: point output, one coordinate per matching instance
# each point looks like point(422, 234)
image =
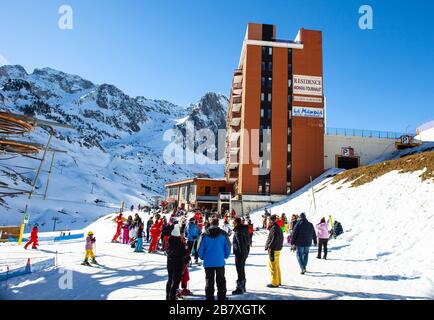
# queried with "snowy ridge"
point(115, 153)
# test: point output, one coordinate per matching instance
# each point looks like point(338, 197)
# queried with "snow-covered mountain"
point(115, 152)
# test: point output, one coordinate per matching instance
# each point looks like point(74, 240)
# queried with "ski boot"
point(94, 261)
point(239, 289)
point(85, 263)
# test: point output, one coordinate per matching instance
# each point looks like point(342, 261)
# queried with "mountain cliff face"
point(116, 151)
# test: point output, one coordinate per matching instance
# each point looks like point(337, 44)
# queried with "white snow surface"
point(385, 252)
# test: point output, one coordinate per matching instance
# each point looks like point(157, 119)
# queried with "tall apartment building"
point(278, 89)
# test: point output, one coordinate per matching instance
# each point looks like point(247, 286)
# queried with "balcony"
point(236, 103)
point(232, 175)
point(235, 122)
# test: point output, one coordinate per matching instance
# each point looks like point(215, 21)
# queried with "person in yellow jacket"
point(274, 246)
point(90, 242)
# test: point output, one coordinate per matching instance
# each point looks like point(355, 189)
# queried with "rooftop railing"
point(363, 133)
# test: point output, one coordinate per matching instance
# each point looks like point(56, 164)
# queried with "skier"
point(165, 234)
point(132, 208)
point(148, 227)
point(192, 232)
point(251, 230)
point(33, 238)
point(264, 221)
point(119, 220)
point(126, 228)
point(274, 245)
point(90, 242)
point(155, 234)
point(302, 237)
point(284, 223)
point(337, 229)
point(323, 237)
point(176, 253)
point(214, 249)
point(139, 236)
point(241, 248)
point(226, 227)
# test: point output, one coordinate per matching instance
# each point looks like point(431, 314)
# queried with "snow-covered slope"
point(114, 154)
point(388, 222)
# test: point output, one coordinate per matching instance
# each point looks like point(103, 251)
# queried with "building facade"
point(275, 121)
point(198, 193)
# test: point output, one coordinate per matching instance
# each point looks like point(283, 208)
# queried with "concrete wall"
point(368, 149)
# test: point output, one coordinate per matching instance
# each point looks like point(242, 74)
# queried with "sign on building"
point(307, 85)
point(308, 112)
point(347, 152)
point(307, 99)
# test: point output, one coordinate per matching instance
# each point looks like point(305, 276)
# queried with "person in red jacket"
point(119, 221)
point(33, 238)
point(199, 218)
point(155, 234)
point(251, 230)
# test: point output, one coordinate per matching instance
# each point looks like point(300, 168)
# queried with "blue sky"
point(379, 79)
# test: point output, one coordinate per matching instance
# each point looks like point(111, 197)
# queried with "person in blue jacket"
point(214, 248)
point(192, 233)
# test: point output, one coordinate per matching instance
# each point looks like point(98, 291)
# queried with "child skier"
point(33, 238)
point(90, 241)
point(126, 230)
point(139, 244)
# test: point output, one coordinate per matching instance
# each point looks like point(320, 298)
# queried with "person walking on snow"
point(90, 242)
point(274, 246)
point(323, 237)
point(192, 232)
point(241, 248)
point(176, 255)
point(119, 221)
point(227, 228)
point(302, 237)
point(139, 236)
point(33, 238)
point(126, 230)
point(214, 248)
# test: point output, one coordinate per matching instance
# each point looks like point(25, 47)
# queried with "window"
point(289, 99)
point(260, 188)
point(289, 83)
point(289, 148)
point(268, 146)
point(289, 115)
point(263, 66)
point(269, 97)
point(222, 189)
point(270, 51)
point(270, 66)
point(269, 113)
point(267, 186)
point(262, 96)
point(262, 113)
point(263, 81)
point(207, 191)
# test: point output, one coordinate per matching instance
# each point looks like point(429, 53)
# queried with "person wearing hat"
point(176, 255)
point(302, 237)
point(33, 238)
point(90, 241)
point(274, 245)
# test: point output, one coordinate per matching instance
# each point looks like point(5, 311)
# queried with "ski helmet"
point(90, 233)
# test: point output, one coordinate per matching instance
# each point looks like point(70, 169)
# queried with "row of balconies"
point(232, 157)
